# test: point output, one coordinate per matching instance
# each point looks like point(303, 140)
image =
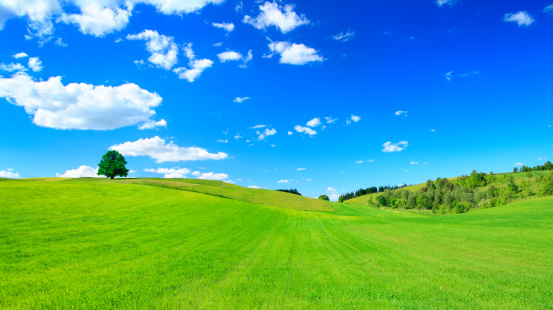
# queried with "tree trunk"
point(112, 177)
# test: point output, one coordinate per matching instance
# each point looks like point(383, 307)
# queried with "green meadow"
point(191, 244)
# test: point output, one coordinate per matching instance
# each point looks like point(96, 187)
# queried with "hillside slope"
point(102, 245)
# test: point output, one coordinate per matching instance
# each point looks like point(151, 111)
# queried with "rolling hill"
point(158, 244)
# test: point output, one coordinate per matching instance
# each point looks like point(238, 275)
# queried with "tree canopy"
point(113, 165)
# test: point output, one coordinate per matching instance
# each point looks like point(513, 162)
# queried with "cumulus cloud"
point(390, 147)
point(282, 17)
point(414, 162)
point(294, 54)
point(98, 20)
point(210, 176)
point(229, 56)
point(353, 118)
point(266, 133)
point(254, 186)
point(161, 151)
point(197, 66)
point(314, 122)
point(35, 64)
point(240, 99)
point(13, 67)
point(398, 113)
point(172, 173)
point(20, 55)
point(330, 120)
point(548, 9)
point(305, 130)
point(344, 36)
point(81, 172)
point(258, 126)
point(163, 48)
point(228, 27)
point(222, 141)
point(80, 106)
point(522, 18)
point(246, 59)
point(38, 13)
point(9, 174)
point(284, 181)
point(359, 162)
point(153, 124)
point(519, 164)
point(449, 76)
point(445, 2)
point(290, 133)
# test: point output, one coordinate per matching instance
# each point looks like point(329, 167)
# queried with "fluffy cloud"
point(210, 176)
point(153, 124)
point(79, 106)
point(9, 174)
point(222, 141)
point(170, 7)
point(81, 172)
point(228, 27)
point(284, 181)
point(390, 147)
point(445, 2)
point(229, 56)
point(522, 18)
point(197, 66)
point(449, 76)
point(519, 164)
point(353, 118)
point(35, 64)
point(247, 59)
point(344, 36)
point(314, 122)
point(20, 55)
point(359, 162)
point(398, 113)
point(157, 149)
point(548, 9)
point(266, 133)
point(294, 54)
point(330, 120)
point(272, 14)
point(164, 50)
point(305, 130)
point(241, 99)
point(301, 169)
point(38, 13)
point(173, 173)
point(258, 126)
point(254, 186)
point(414, 162)
point(98, 20)
point(13, 67)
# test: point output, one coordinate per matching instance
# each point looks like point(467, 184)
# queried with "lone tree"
point(324, 197)
point(113, 165)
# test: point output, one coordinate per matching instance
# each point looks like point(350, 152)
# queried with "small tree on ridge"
point(112, 165)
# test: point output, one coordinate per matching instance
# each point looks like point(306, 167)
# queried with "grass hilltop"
point(192, 244)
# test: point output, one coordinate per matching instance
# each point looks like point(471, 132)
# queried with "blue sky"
point(321, 96)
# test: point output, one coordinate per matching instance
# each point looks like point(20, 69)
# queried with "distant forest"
point(547, 166)
point(291, 191)
point(366, 191)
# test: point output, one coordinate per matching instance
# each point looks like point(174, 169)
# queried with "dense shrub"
point(547, 184)
point(324, 197)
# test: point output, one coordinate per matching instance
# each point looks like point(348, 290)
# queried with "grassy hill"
point(519, 177)
point(101, 244)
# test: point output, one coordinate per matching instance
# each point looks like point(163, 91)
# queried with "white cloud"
point(432, 130)
point(177, 7)
point(353, 118)
point(247, 59)
point(330, 120)
point(414, 162)
point(163, 48)
point(79, 106)
point(449, 76)
point(59, 42)
point(35, 64)
point(81, 172)
point(218, 44)
point(222, 141)
point(9, 174)
point(173, 173)
point(238, 136)
point(153, 124)
point(284, 181)
point(314, 122)
point(254, 186)
point(229, 56)
point(294, 54)
point(197, 66)
point(305, 130)
point(395, 147)
point(241, 99)
point(522, 18)
point(157, 149)
point(330, 189)
point(464, 75)
point(272, 14)
point(12, 67)
point(519, 164)
point(258, 126)
point(301, 169)
point(228, 27)
point(266, 133)
point(445, 2)
point(371, 160)
point(98, 20)
point(210, 176)
point(548, 9)
point(398, 113)
point(359, 162)
point(37, 12)
point(20, 55)
point(344, 36)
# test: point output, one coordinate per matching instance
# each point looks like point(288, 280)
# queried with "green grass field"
point(100, 244)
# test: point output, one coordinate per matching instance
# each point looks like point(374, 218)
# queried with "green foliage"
point(112, 165)
point(381, 201)
point(324, 197)
point(547, 184)
point(291, 191)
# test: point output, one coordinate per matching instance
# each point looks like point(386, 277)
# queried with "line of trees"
point(369, 190)
point(547, 166)
point(291, 191)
